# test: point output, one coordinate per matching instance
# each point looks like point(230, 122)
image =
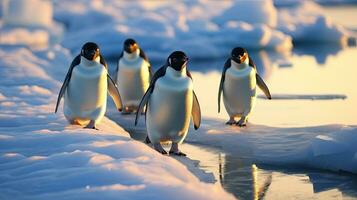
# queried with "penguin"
point(132, 75)
point(85, 88)
point(170, 102)
point(238, 85)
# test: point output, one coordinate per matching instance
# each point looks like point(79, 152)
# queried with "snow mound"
point(202, 28)
point(187, 26)
point(28, 22)
point(24, 36)
point(307, 23)
point(27, 12)
point(43, 157)
point(253, 12)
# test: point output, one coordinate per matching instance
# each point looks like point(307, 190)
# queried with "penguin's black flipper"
point(115, 77)
point(227, 65)
point(114, 93)
point(102, 61)
point(74, 63)
point(196, 112)
point(251, 63)
point(112, 88)
point(143, 56)
point(261, 84)
point(196, 109)
point(144, 101)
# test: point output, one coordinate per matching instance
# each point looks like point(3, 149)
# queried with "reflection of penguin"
point(170, 102)
point(85, 88)
point(132, 75)
point(238, 84)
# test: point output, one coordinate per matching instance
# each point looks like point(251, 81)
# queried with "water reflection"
point(320, 52)
point(345, 183)
point(249, 181)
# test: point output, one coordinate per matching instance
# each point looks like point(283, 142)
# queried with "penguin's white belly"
point(169, 110)
point(239, 91)
point(133, 80)
point(86, 94)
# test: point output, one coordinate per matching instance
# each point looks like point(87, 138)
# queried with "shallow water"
point(315, 85)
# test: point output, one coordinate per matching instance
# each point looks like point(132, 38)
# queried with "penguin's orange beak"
point(242, 58)
point(131, 48)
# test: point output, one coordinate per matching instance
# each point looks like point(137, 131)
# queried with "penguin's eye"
point(179, 59)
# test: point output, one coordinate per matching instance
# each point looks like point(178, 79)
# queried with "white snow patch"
point(2, 97)
point(188, 26)
point(4, 137)
point(24, 36)
point(34, 90)
point(27, 12)
point(308, 23)
point(253, 12)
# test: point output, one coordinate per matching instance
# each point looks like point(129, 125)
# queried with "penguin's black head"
point(130, 45)
point(177, 60)
point(239, 55)
point(90, 50)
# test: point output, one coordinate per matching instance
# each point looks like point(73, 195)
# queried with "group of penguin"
point(166, 97)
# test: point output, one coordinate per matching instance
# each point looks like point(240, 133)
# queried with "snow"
point(200, 28)
point(253, 12)
point(21, 12)
point(307, 23)
point(188, 26)
point(42, 157)
point(28, 22)
point(24, 36)
point(328, 147)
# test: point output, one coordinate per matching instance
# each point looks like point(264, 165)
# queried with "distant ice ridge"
point(28, 22)
point(42, 157)
point(161, 27)
point(202, 28)
point(307, 23)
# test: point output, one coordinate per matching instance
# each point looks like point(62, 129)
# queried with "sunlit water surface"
point(316, 85)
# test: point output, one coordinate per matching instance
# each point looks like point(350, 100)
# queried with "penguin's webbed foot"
point(231, 121)
point(95, 128)
point(242, 122)
point(74, 122)
point(175, 150)
point(179, 153)
point(159, 149)
point(147, 140)
point(91, 125)
point(163, 152)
